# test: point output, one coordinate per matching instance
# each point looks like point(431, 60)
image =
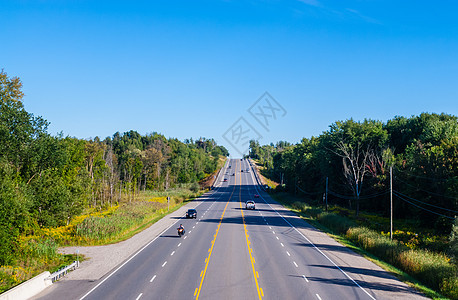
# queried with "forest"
point(46, 180)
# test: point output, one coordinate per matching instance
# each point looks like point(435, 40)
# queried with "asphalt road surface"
point(230, 252)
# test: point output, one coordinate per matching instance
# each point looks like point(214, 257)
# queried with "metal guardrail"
point(63, 271)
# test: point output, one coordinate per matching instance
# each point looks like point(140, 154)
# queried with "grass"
point(430, 272)
point(39, 252)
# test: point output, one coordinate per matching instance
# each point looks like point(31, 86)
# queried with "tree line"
point(355, 158)
point(46, 180)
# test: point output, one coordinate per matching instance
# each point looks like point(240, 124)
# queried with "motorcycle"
point(180, 231)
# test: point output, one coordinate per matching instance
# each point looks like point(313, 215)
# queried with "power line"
point(423, 207)
point(438, 207)
point(424, 177)
point(307, 193)
point(348, 197)
point(432, 193)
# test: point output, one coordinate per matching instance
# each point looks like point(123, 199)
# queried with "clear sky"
point(193, 68)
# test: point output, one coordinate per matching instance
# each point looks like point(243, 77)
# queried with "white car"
point(250, 204)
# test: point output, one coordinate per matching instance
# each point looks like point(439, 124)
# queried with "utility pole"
point(391, 202)
point(326, 194)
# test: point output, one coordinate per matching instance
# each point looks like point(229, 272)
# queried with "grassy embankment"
point(432, 273)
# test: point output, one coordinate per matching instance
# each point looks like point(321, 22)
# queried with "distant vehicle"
point(241, 170)
point(256, 195)
point(233, 174)
point(229, 167)
point(241, 159)
point(225, 179)
point(250, 204)
point(191, 213)
point(247, 170)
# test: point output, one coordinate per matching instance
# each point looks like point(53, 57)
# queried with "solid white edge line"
point(136, 253)
point(139, 296)
point(318, 249)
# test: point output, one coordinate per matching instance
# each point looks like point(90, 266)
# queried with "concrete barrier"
point(29, 288)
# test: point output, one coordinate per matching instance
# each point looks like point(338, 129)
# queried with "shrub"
point(335, 222)
point(433, 269)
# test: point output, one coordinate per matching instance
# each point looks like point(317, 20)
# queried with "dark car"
point(256, 195)
point(191, 213)
point(225, 179)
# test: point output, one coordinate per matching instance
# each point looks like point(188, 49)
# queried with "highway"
point(229, 252)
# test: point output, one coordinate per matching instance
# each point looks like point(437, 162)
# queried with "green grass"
point(430, 272)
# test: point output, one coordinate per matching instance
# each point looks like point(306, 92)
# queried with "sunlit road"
point(230, 252)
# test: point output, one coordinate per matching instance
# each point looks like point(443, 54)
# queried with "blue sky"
point(193, 68)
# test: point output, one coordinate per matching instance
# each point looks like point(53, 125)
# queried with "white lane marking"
point(295, 264)
point(303, 276)
point(139, 296)
point(152, 279)
point(277, 237)
point(164, 263)
point(270, 227)
point(185, 237)
point(193, 226)
point(288, 253)
point(318, 296)
point(273, 232)
point(282, 245)
point(179, 245)
point(314, 246)
point(173, 252)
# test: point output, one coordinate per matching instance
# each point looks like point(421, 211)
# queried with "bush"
point(195, 187)
point(433, 269)
point(335, 222)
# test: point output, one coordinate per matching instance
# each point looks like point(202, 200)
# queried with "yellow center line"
point(255, 273)
point(207, 260)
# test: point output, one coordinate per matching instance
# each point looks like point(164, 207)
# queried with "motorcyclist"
point(181, 228)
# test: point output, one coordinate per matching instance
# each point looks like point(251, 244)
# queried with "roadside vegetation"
point(349, 166)
point(57, 190)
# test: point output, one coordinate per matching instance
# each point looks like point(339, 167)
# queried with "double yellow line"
point(255, 273)
point(207, 260)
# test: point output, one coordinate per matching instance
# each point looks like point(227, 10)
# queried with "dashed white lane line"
point(185, 237)
point(295, 264)
point(193, 226)
point(288, 253)
point(303, 276)
point(173, 252)
point(152, 279)
point(277, 237)
point(164, 263)
point(190, 231)
point(282, 245)
point(318, 296)
point(270, 227)
point(179, 245)
point(273, 232)
point(139, 296)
